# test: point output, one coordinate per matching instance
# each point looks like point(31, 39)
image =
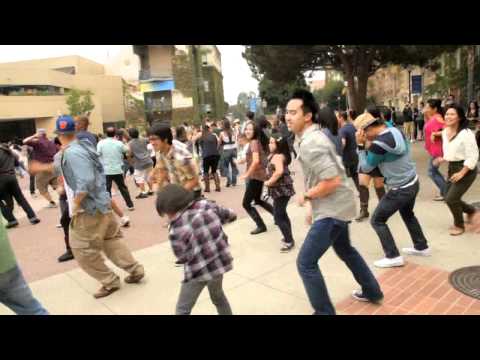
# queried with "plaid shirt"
point(198, 240)
point(177, 167)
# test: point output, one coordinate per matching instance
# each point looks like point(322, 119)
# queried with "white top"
point(463, 147)
point(226, 140)
point(152, 150)
point(70, 197)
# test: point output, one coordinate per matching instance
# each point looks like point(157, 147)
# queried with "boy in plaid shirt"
point(198, 242)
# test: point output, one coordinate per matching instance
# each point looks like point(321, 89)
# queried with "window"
point(206, 86)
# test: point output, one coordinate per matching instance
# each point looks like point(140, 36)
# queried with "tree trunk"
point(471, 69)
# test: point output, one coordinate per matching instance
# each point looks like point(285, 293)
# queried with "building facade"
point(181, 83)
point(34, 92)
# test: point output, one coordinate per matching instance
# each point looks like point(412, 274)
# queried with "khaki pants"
point(409, 128)
point(92, 234)
point(43, 179)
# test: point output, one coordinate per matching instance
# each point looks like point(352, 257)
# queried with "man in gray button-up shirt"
point(333, 206)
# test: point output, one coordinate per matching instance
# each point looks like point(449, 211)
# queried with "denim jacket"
point(83, 172)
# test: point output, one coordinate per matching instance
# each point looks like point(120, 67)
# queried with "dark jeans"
point(120, 181)
point(455, 191)
point(191, 290)
point(352, 172)
point(32, 184)
point(281, 217)
point(229, 167)
point(16, 294)
point(10, 189)
point(402, 200)
point(65, 220)
point(437, 177)
point(210, 163)
point(253, 192)
point(323, 234)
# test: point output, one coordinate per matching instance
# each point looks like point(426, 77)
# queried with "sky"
point(236, 73)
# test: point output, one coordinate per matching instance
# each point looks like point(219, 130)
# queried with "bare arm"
point(278, 162)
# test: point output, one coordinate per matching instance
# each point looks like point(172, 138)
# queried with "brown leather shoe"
point(103, 292)
point(134, 279)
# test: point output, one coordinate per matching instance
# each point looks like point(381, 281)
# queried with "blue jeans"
point(437, 177)
point(402, 200)
point(16, 294)
point(323, 234)
point(229, 167)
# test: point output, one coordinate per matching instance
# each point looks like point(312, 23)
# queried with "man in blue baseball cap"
point(93, 228)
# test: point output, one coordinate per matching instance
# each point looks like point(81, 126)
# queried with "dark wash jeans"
point(16, 294)
point(253, 192)
point(9, 190)
point(323, 234)
point(402, 200)
point(281, 218)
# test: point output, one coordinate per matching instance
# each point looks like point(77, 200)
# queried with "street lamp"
point(345, 83)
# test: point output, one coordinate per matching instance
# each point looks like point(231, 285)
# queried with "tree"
point(277, 94)
point(242, 100)
point(470, 72)
point(79, 102)
point(330, 95)
point(288, 63)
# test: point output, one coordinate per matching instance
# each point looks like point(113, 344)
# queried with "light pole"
point(345, 83)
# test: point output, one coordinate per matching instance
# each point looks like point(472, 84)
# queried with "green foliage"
point(277, 94)
point(330, 93)
point(79, 102)
point(287, 63)
point(453, 78)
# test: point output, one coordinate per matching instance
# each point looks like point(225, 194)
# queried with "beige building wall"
point(160, 58)
point(107, 91)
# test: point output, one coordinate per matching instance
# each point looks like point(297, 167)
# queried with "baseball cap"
point(65, 125)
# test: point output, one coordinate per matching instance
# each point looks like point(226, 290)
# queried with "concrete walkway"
point(264, 281)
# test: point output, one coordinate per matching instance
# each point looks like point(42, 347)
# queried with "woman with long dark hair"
point(229, 143)
point(460, 150)
point(280, 187)
point(329, 125)
point(433, 143)
point(473, 115)
point(256, 175)
point(210, 155)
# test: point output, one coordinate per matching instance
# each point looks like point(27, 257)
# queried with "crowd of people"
point(330, 147)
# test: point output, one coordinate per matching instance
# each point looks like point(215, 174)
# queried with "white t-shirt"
point(70, 197)
point(152, 150)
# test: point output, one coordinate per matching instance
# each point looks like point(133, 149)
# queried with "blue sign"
point(253, 105)
point(416, 84)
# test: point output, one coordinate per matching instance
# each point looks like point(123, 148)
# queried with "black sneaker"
point(258, 230)
point(34, 220)
point(358, 295)
point(286, 247)
point(66, 257)
point(150, 193)
point(11, 224)
point(178, 263)
point(141, 196)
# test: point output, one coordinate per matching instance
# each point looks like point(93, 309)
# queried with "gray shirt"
point(141, 154)
point(319, 161)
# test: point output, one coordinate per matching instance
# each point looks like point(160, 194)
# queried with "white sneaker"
point(58, 226)
point(387, 263)
point(131, 208)
point(52, 205)
point(124, 221)
point(413, 251)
